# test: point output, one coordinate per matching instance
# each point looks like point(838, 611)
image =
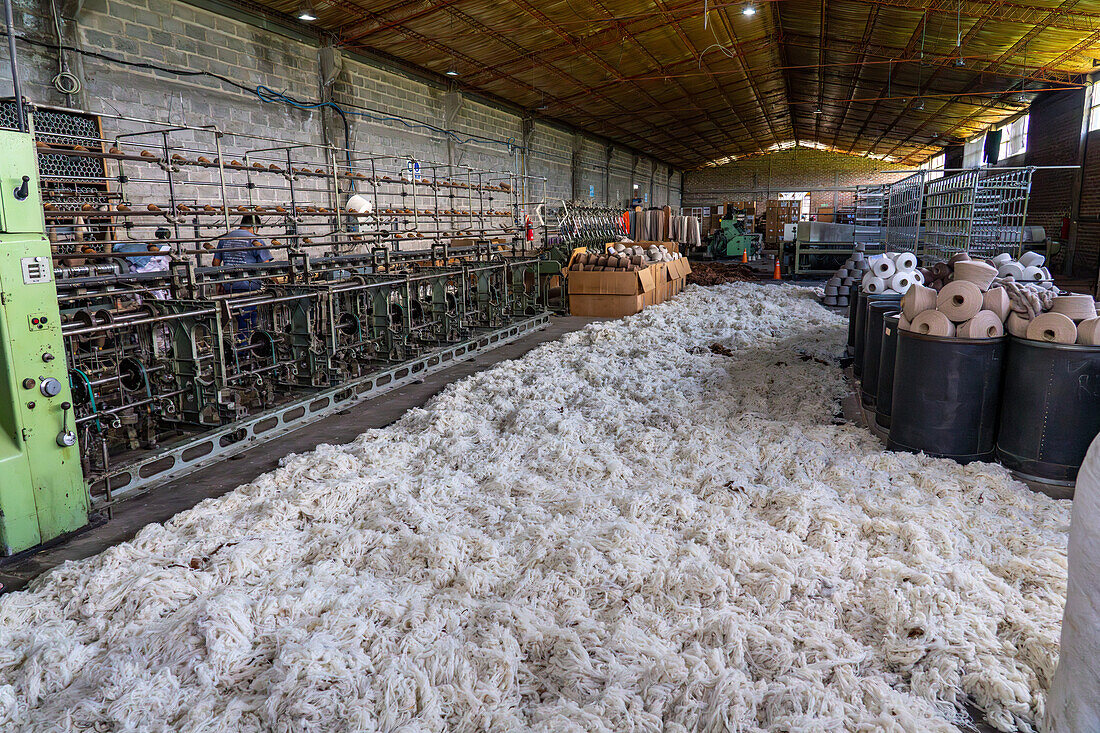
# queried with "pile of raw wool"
point(539, 548)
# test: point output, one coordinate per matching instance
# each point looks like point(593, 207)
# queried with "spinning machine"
point(138, 345)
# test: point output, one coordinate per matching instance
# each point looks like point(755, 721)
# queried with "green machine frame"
point(42, 491)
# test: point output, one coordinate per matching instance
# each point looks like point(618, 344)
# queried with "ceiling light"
point(960, 62)
point(919, 104)
point(749, 10)
point(306, 12)
point(452, 71)
point(817, 110)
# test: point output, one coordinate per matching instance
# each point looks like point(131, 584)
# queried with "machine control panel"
point(38, 321)
point(36, 270)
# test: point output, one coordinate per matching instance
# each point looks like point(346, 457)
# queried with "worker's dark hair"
point(250, 221)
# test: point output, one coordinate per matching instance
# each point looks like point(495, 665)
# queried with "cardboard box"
point(617, 294)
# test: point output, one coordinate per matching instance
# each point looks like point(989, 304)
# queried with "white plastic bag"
point(1073, 705)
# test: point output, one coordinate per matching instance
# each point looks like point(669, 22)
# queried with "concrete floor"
point(166, 501)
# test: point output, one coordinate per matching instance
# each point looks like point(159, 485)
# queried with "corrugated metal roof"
point(694, 82)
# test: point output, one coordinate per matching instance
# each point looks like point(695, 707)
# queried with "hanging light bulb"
point(919, 105)
point(749, 11)
point(451, 71)
point(306, 13)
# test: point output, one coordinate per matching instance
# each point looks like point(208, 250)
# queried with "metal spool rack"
point(175, 362)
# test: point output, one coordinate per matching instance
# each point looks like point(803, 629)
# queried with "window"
point(972, 151)
point(801, 196)
point(934, 166)
point(1094, 112)
point(1013, 138)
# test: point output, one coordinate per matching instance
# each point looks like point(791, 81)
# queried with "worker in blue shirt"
point(242, 247)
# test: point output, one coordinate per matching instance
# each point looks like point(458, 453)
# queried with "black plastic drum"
point(1050, 409)
point(885, 397)
point(947, 395)
point(872, 349)
point(861, 325)
point(853, 303)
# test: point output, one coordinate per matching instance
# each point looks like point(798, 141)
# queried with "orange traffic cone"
point(776, 274)
point(745, 256)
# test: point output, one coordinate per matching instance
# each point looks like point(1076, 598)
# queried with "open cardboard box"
point(618, 294)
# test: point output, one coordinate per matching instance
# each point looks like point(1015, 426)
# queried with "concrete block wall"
point(175, 34)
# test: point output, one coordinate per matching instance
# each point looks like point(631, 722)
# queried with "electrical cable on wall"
point(266, 94)
point(64, 81)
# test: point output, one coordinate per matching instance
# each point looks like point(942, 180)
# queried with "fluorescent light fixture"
point(749, 10)
point(306, 12)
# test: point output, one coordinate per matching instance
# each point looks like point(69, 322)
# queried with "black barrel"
point(885, 396)
point(1050, 411)
point(947, 395)
point(861, 325)
point(872, 348)
point(853, 300)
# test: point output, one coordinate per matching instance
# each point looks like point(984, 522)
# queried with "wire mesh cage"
point(903, 213)
point(981, 211)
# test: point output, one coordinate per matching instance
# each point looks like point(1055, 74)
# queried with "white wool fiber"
point(542, 548)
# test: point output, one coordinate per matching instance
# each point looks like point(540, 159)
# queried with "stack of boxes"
point(779, 214)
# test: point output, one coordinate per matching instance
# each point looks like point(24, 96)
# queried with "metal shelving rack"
point(904, 199)
point(870, 217)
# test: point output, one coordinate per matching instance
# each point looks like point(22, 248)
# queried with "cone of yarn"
point(1013, 270)
point(1002, 259)
point(1032, 274)
point(996, 300)
point(1032, 259)
point(1017, 325)
point(957, 258)
point(1053, 328)
point(1088, 332)
point(985, 325)
point(902, 281)
point(932, 323)
point(940, 271)
point(883, 267)
point(905, 261)
point(960, 300)
point(918, 277)
point(903, 323)
point(976, 272)
point(873, 284)
point(917, 300)
point(1076, 307)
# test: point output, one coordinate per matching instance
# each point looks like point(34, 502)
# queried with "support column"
point(527, 134)
point(576, 163)
point(452, 105)
point(608, 154)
